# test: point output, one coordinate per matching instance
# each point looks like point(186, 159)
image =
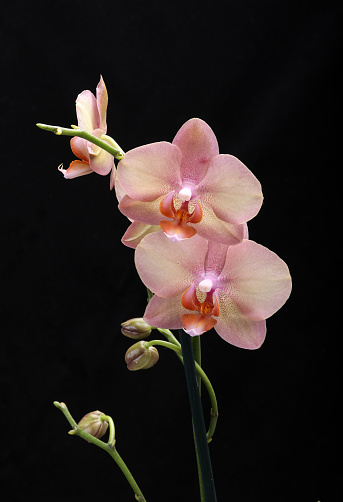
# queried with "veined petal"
point(164, 313)
point(214, 229)
point(256, 279)
point(102, 101)
point(236, 329)
point(102, 163)
point(149, 171)
point(77, 168)
point(136, 232)
point(168, 268)
point(79, 148)
point(231, 189)
point(198, 145)
point(87, 111)
point(145, 212)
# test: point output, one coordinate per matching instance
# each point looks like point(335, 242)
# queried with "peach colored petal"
point(166, 268)
point(102, 101)
point(231, 189)
point(256, 280)
point(87, 111)
point(198, 145)
point(136, 232)
point(77, 168)
point(149, 171)
point(164, 313)
point(145, 212)
point(79, 148)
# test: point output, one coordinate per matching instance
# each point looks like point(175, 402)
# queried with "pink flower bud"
point(139, 357)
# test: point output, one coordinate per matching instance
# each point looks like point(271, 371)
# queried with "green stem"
point(108, 447)
point(203, 377)
point(198, 418)
point(113, 148)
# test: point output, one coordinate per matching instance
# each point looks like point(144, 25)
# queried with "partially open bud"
point(140, 357)
point(136, 328)
point(93, 424)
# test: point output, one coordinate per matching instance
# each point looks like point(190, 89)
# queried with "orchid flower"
point(200, 285)
point(91, 116)
point(186, 187)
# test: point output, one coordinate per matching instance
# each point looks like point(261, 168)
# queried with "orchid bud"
point(93, 424)
point(136, 328)
point(140, 357)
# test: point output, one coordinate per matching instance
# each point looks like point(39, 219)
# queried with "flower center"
point(201, 320)
point(178, 228)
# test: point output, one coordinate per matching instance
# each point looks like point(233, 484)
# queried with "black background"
point(263, 75)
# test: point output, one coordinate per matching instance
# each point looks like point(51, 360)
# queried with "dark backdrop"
point(263, 75)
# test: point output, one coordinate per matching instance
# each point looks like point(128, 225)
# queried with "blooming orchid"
point(186, 187)
point(91, 116)
point(200, 285)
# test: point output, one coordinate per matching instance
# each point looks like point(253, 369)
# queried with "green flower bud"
point(136, 328)
point(93, 424)
point(140, 357)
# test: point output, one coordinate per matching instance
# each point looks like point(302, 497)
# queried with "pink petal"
point(136, 232)
point(236, 329)
point(164, 313)
point(79, 148)
point(87, 111)
point(77, 168)
point(169, 268)
point(231, 189)
point(145, 212)
point(214, 229)
point(149, 171)
point(198, 145)
point(256, 279)
point(100, 160)
point(102, 101)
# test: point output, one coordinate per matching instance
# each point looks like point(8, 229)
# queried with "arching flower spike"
point(186, 187)
point(199, 285)
point(91, 116)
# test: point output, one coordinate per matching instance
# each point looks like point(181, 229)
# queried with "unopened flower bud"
point(136, 328)
point(140, 357)
point(93, 424)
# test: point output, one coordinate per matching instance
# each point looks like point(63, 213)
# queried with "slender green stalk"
point(113, 148)
point(108, 447)
point(198, 418)
point(204, 378)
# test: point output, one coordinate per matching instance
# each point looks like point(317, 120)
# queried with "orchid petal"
point(236, 329)
point(256, 279)
point(217, 230)
point(136, 232)
point(77, 168)
point(231, 189)
point(145, 212)
point(164, 313)
point(198, 145)
point(102, 102)
point(79, 148)
point(149, 171)
point(87, 111)
point(166, 268)
point(100, 160)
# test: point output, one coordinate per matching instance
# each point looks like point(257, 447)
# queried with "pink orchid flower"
point(91, 116)
point(187, 187)
point(200, 285)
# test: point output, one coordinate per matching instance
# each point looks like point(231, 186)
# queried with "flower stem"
point(176, 347)
point(109, 447)
point(113, 148)
point(198, 418)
